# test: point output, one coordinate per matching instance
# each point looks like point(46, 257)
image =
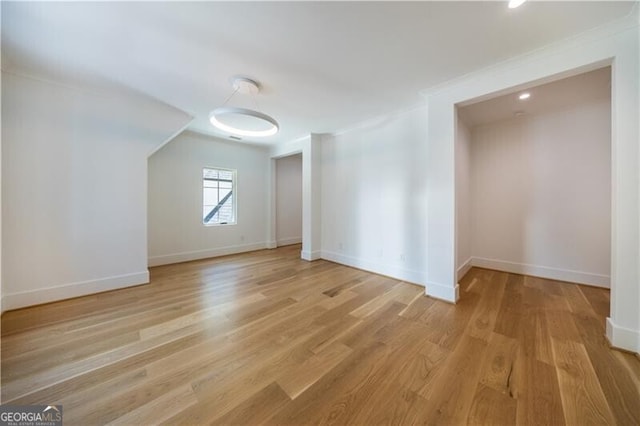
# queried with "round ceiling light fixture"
point(219, 118)
point(243, 121)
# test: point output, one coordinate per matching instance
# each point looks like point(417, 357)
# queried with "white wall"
point(373, 181)
point(74, 188)
point(311, 197)
point(463, 200)
point(289, 200)
point(309, 147)
point(616, 43)
point(1, 280)
point(176, 232)
point(541, 194)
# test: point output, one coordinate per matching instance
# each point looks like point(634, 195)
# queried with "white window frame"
point(234, 196)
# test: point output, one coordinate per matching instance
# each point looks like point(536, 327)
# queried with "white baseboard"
point(443, 292)
point(310, 255)
point(623, 338)
point(393, 271)
point(272, 244)
point(543, 272)
point(289, 241)
point(68, 291)
point(204, 254)
point(462, 271)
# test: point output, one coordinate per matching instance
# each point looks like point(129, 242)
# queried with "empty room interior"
point(353, 213)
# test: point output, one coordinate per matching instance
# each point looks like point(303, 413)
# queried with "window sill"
point(220, 224)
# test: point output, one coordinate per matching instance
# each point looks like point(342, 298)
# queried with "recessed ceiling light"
point(515, 3)
point(525, 95)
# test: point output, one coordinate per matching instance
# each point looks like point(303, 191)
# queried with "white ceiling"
point(560, 94)
point(324, 65)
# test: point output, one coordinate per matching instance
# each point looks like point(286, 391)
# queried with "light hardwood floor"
point(265, 338)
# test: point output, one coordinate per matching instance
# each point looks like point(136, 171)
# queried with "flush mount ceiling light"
point(243, 121)
point(525, 95)
point(515, 3)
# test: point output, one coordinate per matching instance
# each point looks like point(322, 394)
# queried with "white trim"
point(234, 193)
point(285, 149)
point(310, 255)
point(272, 244)
point(462, 270)
point(296, 150)
point(289, 241)
point(187, 256)
point(408, 275)
point(543, 272)
point(68, 291)
point(623, 338)
point(443, 292)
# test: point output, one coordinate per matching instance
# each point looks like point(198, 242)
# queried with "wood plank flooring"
point(266, 338)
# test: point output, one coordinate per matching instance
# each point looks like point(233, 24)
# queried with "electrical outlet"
point(339, 246)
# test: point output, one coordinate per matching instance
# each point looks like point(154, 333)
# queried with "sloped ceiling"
point(324, 65)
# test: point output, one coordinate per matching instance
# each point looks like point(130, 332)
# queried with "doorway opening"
point(533, 181)
point(288, 203)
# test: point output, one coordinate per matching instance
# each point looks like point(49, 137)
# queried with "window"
point(218, 196)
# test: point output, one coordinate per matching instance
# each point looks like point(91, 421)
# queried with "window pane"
point(216, 185)
point(210, 196)
point(225, 174)
point(210, 173)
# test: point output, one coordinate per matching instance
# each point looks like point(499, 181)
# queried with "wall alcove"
point(533, 181)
